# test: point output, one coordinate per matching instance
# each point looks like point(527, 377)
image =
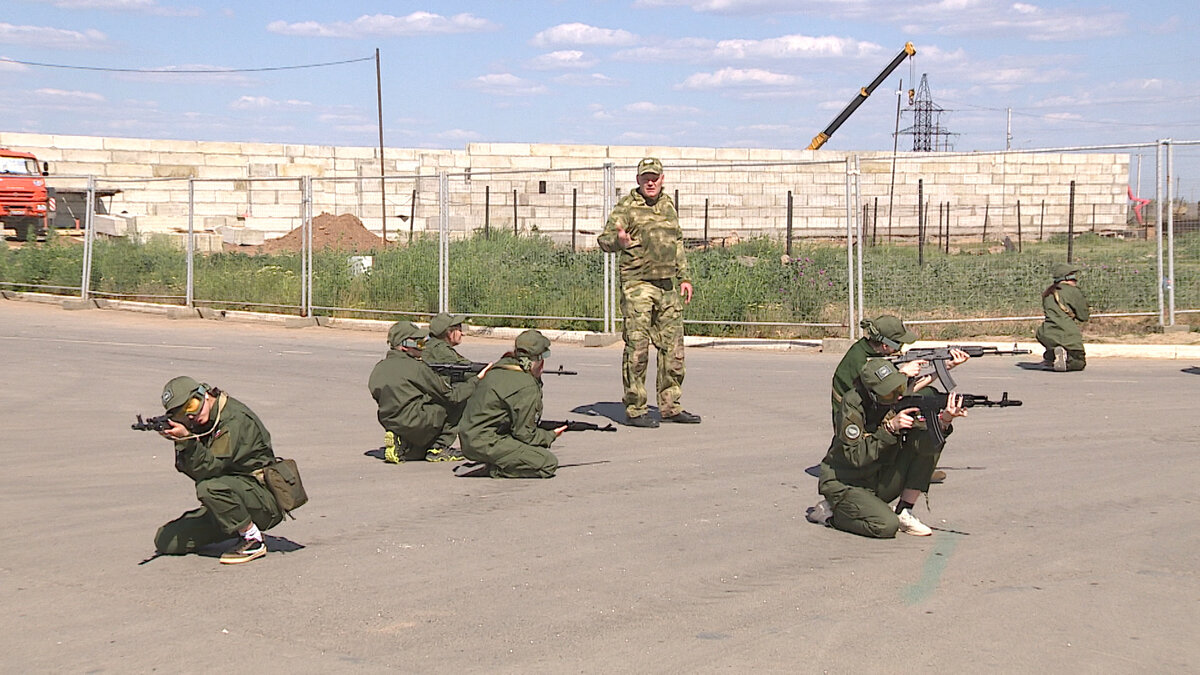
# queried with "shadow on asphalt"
point(613, 410)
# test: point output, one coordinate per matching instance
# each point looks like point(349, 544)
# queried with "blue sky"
point(726, 73)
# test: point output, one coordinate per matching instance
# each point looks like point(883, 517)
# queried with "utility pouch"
point(282, 478)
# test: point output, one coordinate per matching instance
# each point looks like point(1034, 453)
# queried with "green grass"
point(529, 275)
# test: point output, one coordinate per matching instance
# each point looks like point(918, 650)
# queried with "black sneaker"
point(645, 421)
point(247, 550)
point(683, 417)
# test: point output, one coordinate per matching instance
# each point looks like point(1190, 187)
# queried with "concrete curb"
point(585, 338)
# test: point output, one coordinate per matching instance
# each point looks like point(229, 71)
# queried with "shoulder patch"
point(852, 432)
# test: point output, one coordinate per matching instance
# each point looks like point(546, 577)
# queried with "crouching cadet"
point(879, 454)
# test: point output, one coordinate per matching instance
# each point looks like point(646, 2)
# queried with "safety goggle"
point(184, 412)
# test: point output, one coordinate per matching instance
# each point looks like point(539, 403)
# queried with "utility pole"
point(382, 184)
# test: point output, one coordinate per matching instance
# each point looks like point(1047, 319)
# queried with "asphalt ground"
point(1066, 533)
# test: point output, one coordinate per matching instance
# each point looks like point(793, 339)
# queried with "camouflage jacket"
point(657, 248)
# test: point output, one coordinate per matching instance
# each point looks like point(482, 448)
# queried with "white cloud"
point(589, 80)
point(559, 60)
point(386, 25)
point(582, 34)
point(458, 135)
point(51, 38)
point(738, 77)
point(265, 103)
point(73, 95)
point(794, 46)
point(648, 108)
point(505, 84)
point(140, 6)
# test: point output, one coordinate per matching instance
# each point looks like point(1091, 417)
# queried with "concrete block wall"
point(257, 185)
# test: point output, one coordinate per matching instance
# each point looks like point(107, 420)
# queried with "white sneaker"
point(910, 525)
point(820, 514)
point(1060, 359)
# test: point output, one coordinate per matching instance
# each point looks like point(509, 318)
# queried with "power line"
point(189, 71)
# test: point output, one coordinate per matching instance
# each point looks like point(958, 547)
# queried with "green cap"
point(403, 330)
point(1063, 270)
point(881, 377)
point(533, 344)
point(888, 328)
point(179, 390)
point(650, 165)
point(443, 322)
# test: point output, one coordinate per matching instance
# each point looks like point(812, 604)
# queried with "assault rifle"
point(938, 357)
point(459, 372)
point(160, 423)
point(930, 402)
point(572, 425)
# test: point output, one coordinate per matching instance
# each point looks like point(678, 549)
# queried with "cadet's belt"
point(664, 284)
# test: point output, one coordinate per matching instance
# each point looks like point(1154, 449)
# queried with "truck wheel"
point(25, 229)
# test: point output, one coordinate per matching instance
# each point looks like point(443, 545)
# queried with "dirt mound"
point(341, 233)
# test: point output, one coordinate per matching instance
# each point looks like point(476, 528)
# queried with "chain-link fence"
point(952, 239)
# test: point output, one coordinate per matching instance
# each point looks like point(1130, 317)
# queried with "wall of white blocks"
point(558, 188)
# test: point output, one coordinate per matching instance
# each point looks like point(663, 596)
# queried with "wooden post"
point(514, 212)
point(574, 206)
point(788, 246)
point(706, 220)
point(947, 228)
point(1071, 225)
point(920, 222)
point(1042, 222)
point(1018, 226)
point(875, 222)
point(412, 214)
point(487, 212)
point(983, 239)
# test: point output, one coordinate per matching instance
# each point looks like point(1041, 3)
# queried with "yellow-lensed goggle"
point(193, 406)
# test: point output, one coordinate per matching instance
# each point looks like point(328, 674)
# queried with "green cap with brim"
point(650, 165)
point(403, 330)
point(890, 327)
point(178, 391)
point(533, 344)
point(881, 377)
point(1062, 271)
point(443, 322)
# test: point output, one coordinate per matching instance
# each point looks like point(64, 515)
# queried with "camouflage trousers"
point(653, 315)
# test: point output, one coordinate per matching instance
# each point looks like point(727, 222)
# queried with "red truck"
point(26, 205)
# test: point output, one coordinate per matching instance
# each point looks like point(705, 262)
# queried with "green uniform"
point(499, 426)
point(416, 405)
point(867, 466)
point(438, 350)
point(652, 269)
point(1065, 308)
point(222, 463)
point(847, 370)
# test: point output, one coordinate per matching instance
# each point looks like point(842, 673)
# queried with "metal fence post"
point(1158, 230)
point(610, 259)
point(308, 255)
point(89, 239)
point(444, 241)
point(851, 325)
point(858, 235)
point(1170, 236)
point(190, 291)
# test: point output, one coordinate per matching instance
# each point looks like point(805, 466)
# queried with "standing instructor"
point(655, 285)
